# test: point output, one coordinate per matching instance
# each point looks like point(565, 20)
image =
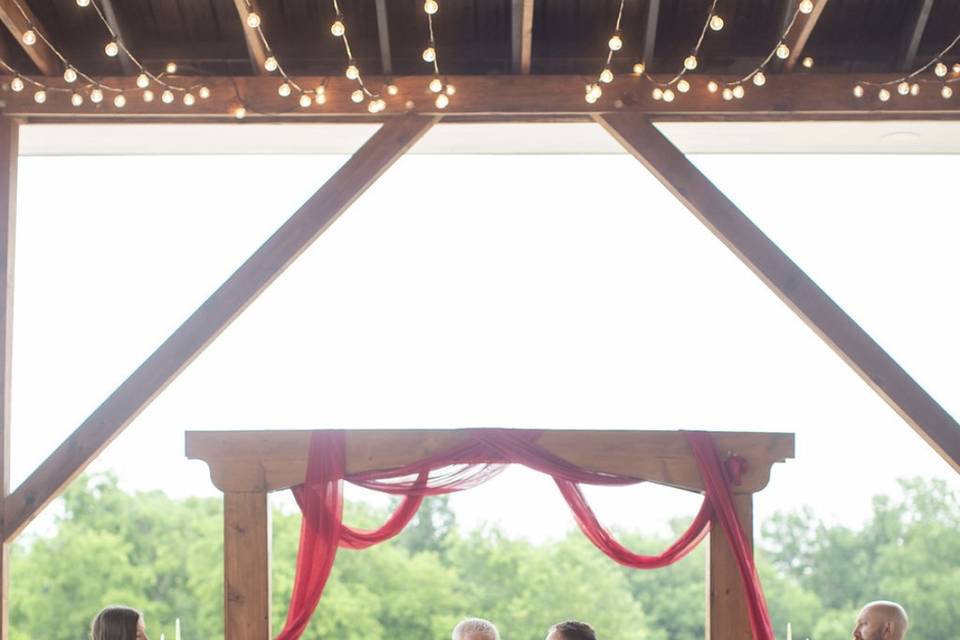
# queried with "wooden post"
point(246, 566)
point(727, 614)
point(9, 138)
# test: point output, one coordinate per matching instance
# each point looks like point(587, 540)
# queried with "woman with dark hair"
point(117, 622)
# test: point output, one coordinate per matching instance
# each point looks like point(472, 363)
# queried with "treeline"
point(165, 556)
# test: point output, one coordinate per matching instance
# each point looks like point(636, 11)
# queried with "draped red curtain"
point(481, 456)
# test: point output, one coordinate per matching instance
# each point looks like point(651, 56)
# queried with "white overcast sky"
point(491, 291)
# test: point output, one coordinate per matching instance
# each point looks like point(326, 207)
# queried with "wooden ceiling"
point(206, 37)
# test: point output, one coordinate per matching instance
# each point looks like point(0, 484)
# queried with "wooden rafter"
point(650, 31)
point(9, 136)
point(522, 23)
point(111, 15)
point(255, 46)
point(383, 33)
point(18, 18)
point(913, 33)
point(788, 282)
point(807, 96)
point(800, 34)
point(212, 317)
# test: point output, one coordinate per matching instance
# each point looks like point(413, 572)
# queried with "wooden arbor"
point(247, 465)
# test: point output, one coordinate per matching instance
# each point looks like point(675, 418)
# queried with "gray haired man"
point(475, 629)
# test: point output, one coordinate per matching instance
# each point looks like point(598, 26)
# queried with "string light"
point(657, 93)
point(76, 99)
point(806, 6)
point(171, 68)
point(914, 78)
point(119, 101)
point(83, 3)
point(17, 84)
point(807, 62)
point(357, 96)
point(284, 90)
point(783, 51)
point(339, 30)
point(668, 95)
point(430, 7)
point(148, 96)
point(96, 95)
point(429, 54)
point(305, 100)
point(738, 91)
point(111, 49)
point(40, 96)
point(903, 88)
point(759, 79)
point(189, 99)
point(716, 23)
point(240, 112)
point(727, 93)
point(858, 91)
point(253, 20)
point(946, 92)
point(884, 95)
point(712, 86)
point(29, 38)
point(690, 62)
point(940, 70)
point(166, 97)
point(606, 76)
point(392, 89)
point(683, 86)
point(204, 92)
point(270, 64)
point(616, 42)
point(639, 68)
point(70, 74)
point(436, 85)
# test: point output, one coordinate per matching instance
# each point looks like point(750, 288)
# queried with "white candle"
point(162, 637)
point(177, 630)
point(789, 632)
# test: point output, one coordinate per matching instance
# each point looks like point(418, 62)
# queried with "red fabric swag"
point(481, 456)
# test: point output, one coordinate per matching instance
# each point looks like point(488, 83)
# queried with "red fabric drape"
point(482, 455)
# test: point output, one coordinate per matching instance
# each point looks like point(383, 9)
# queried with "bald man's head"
point(881, 620)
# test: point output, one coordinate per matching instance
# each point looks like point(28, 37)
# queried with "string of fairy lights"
point(82, 86)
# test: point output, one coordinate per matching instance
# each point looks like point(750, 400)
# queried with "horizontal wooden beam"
point(788, 281)
point(270, 460)
point(314, 217)
point(785, 96)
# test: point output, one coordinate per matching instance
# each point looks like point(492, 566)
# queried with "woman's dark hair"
point(115, 622)
point(573, 630)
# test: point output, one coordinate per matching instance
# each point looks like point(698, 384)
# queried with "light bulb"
point(29, 37)
point(759, 79)
point(96, 95)
point(783, 51)
point(712, 86)
point(429, 54)
point(111, 49)
point(436, 85)
point(338, 28)
point(270, 64)
point(738, 91)
point(806, 6)
point(189, 99)
point(392, 89)
point(442, 101)
point(606, 76)
point(17, 84)
point(858, 91)
point(204, 93)
point(616, 42)
point(148, 96)
point(83, 3)
point(683, 86)
point(690, 63)
point(76, 99)
point(167, 96)
point(305, 100)
point(595, 90)
point(668, 95)
point(903, 88)
point(284, 90)
point(727, 93)
point(352, 72)
point(40, 96)
point(320, 97)
point(240, 112)
point(120, 101)
point(451, 89)
point(657, 93)
point(807, 62)
point(253, 20)
point(940, 69)
point(143, 81)
point(915, 89)
point(946, 92)
point(956, 67)
point(430, 7)
point(372, 106)
point(884, 95)
point(590, 98)
point(70, 74)
point(171, 67)
point(716, 23)
point(357, 96)
point(639, 68)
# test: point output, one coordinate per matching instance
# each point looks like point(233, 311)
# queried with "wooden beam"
point(273, 460)
point(522, 22)
point(788, 281)
point(728, 616)
point(800, 34)
point(212, 317)
point(650, 31)
point(246, 566)
point(383, 33)
point(18, 18)
point(110, 14)
point(255, 46)
point(807, 96)
point(9, 146)
point(914, 27)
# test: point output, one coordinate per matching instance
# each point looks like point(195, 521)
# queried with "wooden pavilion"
point(624, 64)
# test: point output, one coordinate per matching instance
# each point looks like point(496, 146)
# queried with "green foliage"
point(165, 557)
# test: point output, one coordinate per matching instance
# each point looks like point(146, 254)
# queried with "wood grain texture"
point(17, 23)
point(728, 616)
point(522, 25)
point(246, 566)
point(73, 455)
point(273, 460)
point(9, 146)
point(788, 282)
